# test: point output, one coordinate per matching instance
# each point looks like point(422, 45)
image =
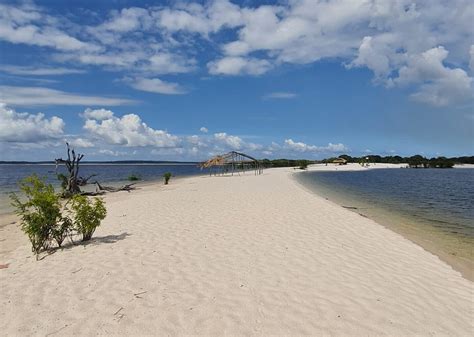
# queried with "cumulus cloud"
point(204, 130)
point(383, 36)
point(303, 147)
point(201, 19)
point(28, 128)
point(111, 135)
point(126, 20)
point(34, 96)
point(375, 34)
point(27, 24)
point(155, 85)
point(128, 130)
point(441, 85)
point(233, 65)
point(197, 142)
point(80, 143)
point(97, 114)
point(233, 142)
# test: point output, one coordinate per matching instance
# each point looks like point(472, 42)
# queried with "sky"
point(186, 80)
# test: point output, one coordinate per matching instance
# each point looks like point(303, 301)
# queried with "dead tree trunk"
point(72, 165)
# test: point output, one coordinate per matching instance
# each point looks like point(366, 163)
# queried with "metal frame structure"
point(232, 162)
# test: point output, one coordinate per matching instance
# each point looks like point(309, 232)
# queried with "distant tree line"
point(416, 161)
point(303, 163)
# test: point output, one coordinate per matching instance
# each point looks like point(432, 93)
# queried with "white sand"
point(248, 255)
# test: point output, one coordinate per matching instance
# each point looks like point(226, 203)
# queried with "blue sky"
point(186, 80)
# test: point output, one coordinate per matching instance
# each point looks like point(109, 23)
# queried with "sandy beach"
point(232, 256)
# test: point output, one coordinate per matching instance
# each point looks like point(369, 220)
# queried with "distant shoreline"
point(104, 163)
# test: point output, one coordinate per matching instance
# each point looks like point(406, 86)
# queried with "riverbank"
point(242, 255)
point(402, 201)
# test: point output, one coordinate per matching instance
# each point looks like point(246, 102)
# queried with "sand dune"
point(245, 255)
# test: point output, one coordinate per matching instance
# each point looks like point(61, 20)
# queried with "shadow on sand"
point(108, 239)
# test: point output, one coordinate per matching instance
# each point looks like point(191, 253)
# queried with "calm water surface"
point(433, 207)
point(111, 174)
point(443, 197)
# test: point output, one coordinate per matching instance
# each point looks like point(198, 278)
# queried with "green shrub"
point(40, 213)
point(167, 177)
point(303, 166)
point(134, 177)
point(87, 215)
point(63, 180)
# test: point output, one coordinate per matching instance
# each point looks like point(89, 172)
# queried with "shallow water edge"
point(457, 251)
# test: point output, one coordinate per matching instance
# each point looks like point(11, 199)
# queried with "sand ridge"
point(245, 255)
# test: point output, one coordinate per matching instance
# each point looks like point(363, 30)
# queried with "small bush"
point(40, 213)
point(134, 177)
point(87, 215)
point(61, 230)
point(167, 177)
point(63, 180)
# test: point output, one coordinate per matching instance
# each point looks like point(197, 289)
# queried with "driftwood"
point(128, 188)
point(72, 165)
point(93, 194)
point(84, 181)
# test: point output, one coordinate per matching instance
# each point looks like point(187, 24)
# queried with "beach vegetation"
point(47, 219)
point(441, 162)
point(303, 164)
point(416, 161)
point(167, 176)
point(267, 163)
point(62, 181)
point(40, 213)
point(87, 215)
point(134, 177)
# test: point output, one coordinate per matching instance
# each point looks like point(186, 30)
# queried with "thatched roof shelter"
point(232, 162)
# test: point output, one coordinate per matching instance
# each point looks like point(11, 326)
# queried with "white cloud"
point(155, 85)
point(129, 130)
point(38, 71)
point(128, 19)
point(108, 152)
point(280, 95)
point(197, 142)
point(303, 147)
point(98, 114)
point(28, 128)
point(80, 143)
point(35, 96)
point(471, 60)
point(196, 18)
point(27, 24)
point(233, 65)
point(233, 142)
point(384, 36)
point(440, 85)
point(204, 129)
point(373, 56)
